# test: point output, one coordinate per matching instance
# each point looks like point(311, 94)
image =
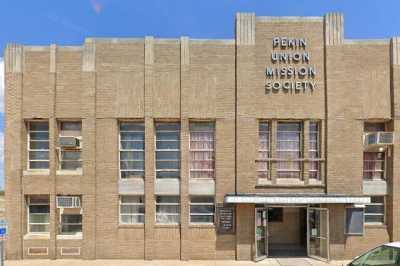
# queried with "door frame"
point(264, 211)
point(327, 234)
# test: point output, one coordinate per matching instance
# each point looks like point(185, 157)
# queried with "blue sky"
point(69, 22)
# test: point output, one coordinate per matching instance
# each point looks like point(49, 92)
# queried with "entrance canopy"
point(278, 198)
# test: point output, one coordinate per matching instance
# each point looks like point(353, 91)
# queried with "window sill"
point(194, 225)
point(264, 182)
point(37, 236)
point(375, 225)
point(69, 172)
point(167, 225)
point(36, 172)
point(70, 237)
point(127, 226)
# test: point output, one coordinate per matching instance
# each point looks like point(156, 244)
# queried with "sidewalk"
point(267, 262)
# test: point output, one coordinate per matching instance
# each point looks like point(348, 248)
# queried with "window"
point(70, 155)
point(131, 149)
point(275, 214)
point(202, 209)
point(354, 221)
point(38, 145)
point(375, 211)
point(71, 224)
point(314, 149)
point(202, 153)
point(39, 212)
point(374, 165)
point(168, 151)
point(167, 209)
point(374, 127)
point(289, 149)
point(131, 209)
point(263, 149)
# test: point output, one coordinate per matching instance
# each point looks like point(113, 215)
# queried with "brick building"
point(278, 142)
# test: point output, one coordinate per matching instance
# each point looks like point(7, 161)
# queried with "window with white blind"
point(70, 157)
point(168, 150)
point(202, 209)
point(201, 148)
point(263, 165)
point(131, 150)
point(168, 209)
point(375, 211)
point(38, 214)
point(314, 149)
point(38, 145)
point(131, 209)
point(374, 165)
point(289, 149)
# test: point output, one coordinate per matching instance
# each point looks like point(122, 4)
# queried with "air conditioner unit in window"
point(69, 142)
point(68, 202)
point(378, 139)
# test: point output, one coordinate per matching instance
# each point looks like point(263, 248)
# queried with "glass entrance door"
point(261, 237)
point(318, 233)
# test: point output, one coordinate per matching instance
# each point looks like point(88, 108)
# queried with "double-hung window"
point(375, 211)
point(131, 209)
point(314, 149)
point(38, 145)
point(70, 211)
point(38, 214)
point(168, 150)
point(131, 149)
point(168, 209)
point(263, 165)
point(289, 149)
point(70, 155)
point(374, 165)
point(202, 154)
point(71, 224)
point(202, 209)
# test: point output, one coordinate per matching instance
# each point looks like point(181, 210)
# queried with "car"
point(384, 255)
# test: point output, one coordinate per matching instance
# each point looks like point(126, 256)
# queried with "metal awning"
point(272, 198)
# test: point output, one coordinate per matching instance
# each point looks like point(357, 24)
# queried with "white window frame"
point(130, 214)
point(384, 160)
point(318, 151)
point(66, 233)
point(268, 150)
point(300, 150)
point(375, 214)
point(167, 150)
point(202, 214)
point(168, 214)
point(202, 150)
point(120, 149)
point(46, 253)
point(33, 150)
point(29, 214)
point(61, 150)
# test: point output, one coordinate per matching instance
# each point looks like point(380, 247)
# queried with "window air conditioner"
point(68, 202)
point(378, 139)
point(69, 142)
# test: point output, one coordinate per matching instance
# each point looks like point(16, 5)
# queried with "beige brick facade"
point(105, 81)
